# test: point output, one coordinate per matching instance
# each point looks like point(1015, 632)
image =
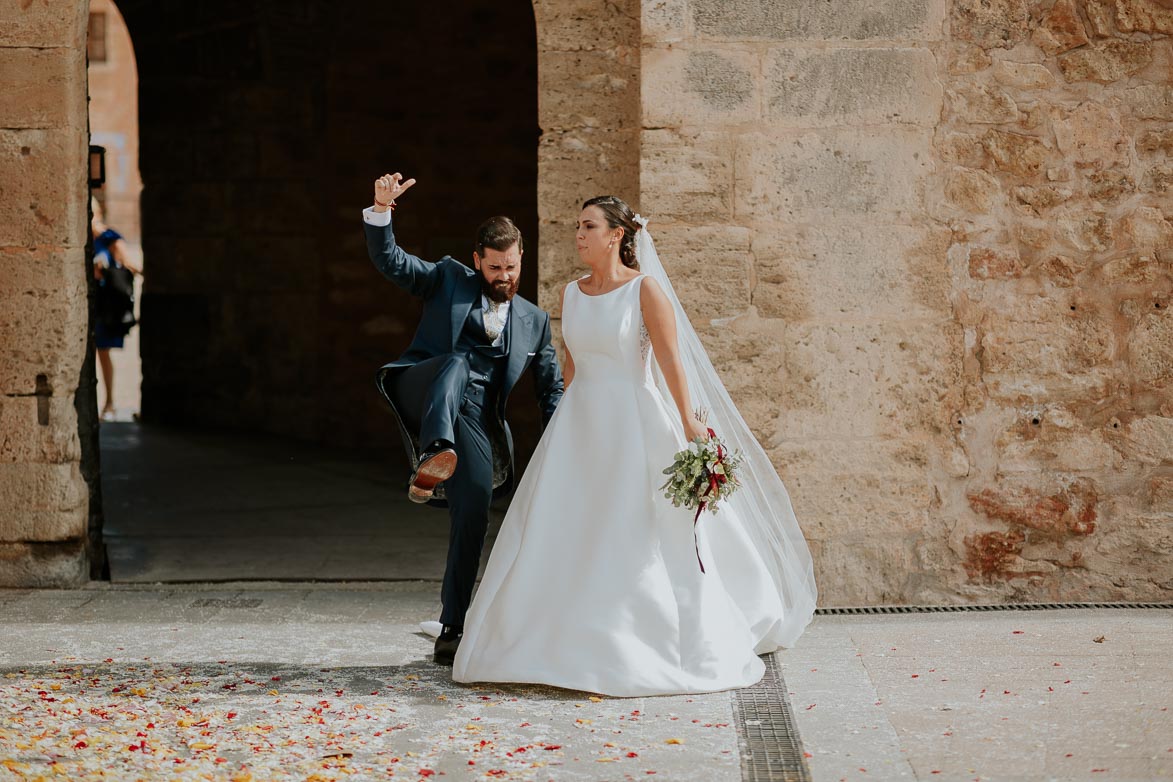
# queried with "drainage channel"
point(932, 609)
point(771, 750)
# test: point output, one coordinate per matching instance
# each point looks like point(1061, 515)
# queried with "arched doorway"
point(261, 130)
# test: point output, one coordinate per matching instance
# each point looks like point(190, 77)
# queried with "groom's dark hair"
point(498, 233)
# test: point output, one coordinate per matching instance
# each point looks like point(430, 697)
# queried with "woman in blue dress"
point(115, 302)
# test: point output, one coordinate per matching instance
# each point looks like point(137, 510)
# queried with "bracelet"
point(390, 206)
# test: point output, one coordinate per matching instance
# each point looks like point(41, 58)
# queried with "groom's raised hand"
point(387, 188)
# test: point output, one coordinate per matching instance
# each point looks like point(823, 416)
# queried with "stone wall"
point(44, 203)
point(940, 233)
point(588, 107)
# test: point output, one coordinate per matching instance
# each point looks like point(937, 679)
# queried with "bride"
point(593, 583)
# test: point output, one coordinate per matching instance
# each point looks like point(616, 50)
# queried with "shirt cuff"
point(377, 219)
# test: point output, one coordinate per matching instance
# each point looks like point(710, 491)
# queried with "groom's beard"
point(499, 291)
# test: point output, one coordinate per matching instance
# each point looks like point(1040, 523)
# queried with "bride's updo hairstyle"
point(619, 215)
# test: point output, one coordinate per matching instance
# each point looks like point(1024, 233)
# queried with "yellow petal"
point(674, 741)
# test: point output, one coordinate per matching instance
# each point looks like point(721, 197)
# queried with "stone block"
point(973, 190)
point(864, 569)
point(1016, 153)
point(1080, 229)
point(1092, 135)
point(1105, 61)
point(1061, 29)
point(42, 88)
point(848, 20)
point(831, 172)
point(586, 24)
point(1023, 75)
point(665, 21)
point(39, 208)
point(1107, 186)
point(1144, 16)
point(43, 25)
point(559, 265)
point(845, 380)
point(42, 502)
point(43, 565)
point(577, 164)
point(982, 105)
point(966, 58)
point(1149, 101)
point(1150, 349)
point(1060, 270)
point(46, 336)
point(39, 429)
point(1147, 440)
point(1052, 439)
point(709, 266)
point(699, 87)
point(818, 87)
point(1057, 344)
point(990, 23)
point(1055, 507)
point(1037, 200)
point(1159, 179)
point(963, 149)
point(592, 89)
point(836, 485)
point(1156, 141)
point(687, 175)
point(1100, 15)
point(1148, 228)
point(994, 263)
point(828, 271)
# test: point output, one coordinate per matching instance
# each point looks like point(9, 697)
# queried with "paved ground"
point(265, 681)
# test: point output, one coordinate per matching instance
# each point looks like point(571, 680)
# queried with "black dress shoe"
point(446, 644)
point(435, 467)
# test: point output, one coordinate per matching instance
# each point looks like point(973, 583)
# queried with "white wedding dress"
point(593, 583)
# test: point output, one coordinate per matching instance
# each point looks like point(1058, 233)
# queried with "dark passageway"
point(262, 127)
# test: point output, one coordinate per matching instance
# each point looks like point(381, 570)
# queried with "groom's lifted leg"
point(437, 408)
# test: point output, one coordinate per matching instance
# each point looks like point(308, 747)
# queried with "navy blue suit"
point(452, 383)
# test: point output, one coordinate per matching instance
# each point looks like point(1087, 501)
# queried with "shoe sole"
point(444, 660)
point(431, 474)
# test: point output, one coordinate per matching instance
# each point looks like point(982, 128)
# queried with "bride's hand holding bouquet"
point(702, 474)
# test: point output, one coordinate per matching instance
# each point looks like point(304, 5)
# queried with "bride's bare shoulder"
point(650, 290)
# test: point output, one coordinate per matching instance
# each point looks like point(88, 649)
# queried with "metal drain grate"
point(997, 607)
point(771, 750)
point(227, 602)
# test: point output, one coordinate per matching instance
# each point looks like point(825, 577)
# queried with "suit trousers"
point(431, 395)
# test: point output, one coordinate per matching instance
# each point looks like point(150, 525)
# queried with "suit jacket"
point(449, 289)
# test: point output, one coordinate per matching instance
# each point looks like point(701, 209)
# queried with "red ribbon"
point(714, 482)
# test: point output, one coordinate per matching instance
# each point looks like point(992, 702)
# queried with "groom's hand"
point(389, 187)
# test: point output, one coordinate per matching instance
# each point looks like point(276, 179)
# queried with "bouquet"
point(701, 476)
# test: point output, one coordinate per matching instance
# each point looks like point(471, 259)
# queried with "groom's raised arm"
point(413, 274)
point(547, 374)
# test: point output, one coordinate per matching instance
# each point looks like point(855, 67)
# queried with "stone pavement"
point(271, 681)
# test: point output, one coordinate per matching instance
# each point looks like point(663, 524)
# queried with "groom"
point(448, 390)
